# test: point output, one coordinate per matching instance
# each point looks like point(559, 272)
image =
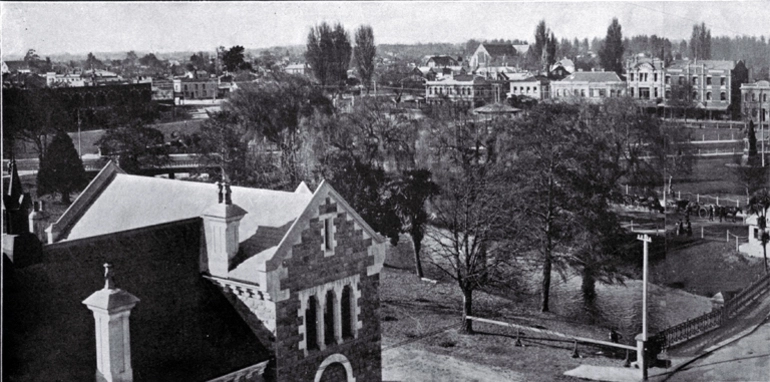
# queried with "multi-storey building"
point(715, 86)
point(592, 86)
point(71, 80)
point(196, 88)
point(646, 80)
point(756, 101)
point(528, 85)
point(465, 89)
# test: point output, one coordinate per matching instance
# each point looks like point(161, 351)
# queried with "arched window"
point(723, 96)
point(329, 318)
point(311, 324)
point(346, 305)
point(694, 95)
point(668, 94)
point(708, 96)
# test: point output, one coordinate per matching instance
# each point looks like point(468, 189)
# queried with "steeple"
point(16, 204)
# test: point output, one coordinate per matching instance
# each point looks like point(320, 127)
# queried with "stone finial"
point(108, 283)
point(219, 187)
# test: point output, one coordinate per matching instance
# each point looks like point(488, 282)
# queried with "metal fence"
point(717, 317)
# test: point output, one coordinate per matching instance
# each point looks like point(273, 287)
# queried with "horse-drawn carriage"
point(706, 210)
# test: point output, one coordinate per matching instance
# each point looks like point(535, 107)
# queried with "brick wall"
point(309, 266)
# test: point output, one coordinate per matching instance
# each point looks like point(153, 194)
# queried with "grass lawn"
point(422, 317)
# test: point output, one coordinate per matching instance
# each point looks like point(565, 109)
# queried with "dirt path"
point(407, 363)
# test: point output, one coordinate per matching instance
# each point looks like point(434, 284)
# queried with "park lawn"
point(421, 315)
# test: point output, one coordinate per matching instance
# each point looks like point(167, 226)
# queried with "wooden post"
point(701, 232)
point(736, 243)
point(645, 240)
point(717, 199)
point(727, 236)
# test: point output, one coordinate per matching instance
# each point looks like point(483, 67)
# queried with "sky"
point(79, 28)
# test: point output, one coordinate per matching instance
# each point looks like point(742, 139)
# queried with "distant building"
point(561, 68)
point(16, 67)
point(756, 102)
point(529, 85)
point(754, 246)
point(716, 85)
point(467, 90)
point(301, 69)
point(195, 88)
point(441, 62)
point(163, 90)
point(501, 73)
point(493, 55)
point(591, 86)
point(425, 72)
point(68, 80)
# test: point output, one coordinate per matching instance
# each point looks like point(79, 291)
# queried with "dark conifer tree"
point(61, 170)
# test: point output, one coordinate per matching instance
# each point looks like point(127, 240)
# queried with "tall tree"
point(233, 59)
point(611, 54)
point(274, 111)
point(550, 53)
point(364, 52)
point(759, 204)
point(700, 42)
point(33, 115)
point(328, 53)
point(473, 215)
point(62, 170)
point(92, 62)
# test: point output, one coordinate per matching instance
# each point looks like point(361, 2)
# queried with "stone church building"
point(152, 279)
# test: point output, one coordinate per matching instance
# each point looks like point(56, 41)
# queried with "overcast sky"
point(52, 28)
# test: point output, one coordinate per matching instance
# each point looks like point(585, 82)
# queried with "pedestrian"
point(679, 228)
point(711, 213)
point(689, 228)
point(720, 212)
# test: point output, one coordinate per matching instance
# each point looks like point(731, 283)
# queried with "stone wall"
point(310, 266)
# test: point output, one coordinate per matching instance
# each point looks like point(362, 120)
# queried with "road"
point(747, 359)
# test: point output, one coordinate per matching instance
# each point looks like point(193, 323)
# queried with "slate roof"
point(592, 77)
point(183, 328)
point(15, 66)
point(139, 201)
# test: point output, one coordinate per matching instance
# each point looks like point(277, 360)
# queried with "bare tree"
point(473, 217)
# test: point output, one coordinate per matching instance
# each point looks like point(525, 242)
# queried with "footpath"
point(686, 353)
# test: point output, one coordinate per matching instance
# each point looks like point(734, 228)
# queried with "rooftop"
point(591, 77)
point(708, 64)
point(142, 201)
point(500, 49)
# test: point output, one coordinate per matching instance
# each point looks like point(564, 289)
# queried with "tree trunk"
point(546, 282)
point(417, 242)
point(65, 197)
point(467, 326)
point(588, 286)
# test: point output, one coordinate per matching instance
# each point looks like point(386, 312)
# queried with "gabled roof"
point(15, 66)
point(443, 60)
point(140, 201)
point(592, 77)
point(496, 50)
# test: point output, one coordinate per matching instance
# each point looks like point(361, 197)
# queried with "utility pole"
point(80, 152)
point(641, 339)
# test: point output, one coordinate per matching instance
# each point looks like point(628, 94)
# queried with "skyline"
point(79, 28)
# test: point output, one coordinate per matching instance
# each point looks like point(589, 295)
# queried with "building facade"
point(493, 55)
point(196, 88)
point(756, 102)
point(528, 85)
point(712, 86)
point(441, 62)
point(591, 86)
point(646, 80)
point(467, 90)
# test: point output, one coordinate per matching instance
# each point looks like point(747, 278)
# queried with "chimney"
point(111, 307)
point(38, 220)
point(220, 225)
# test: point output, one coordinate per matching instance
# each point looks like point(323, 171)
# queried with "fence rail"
point(717, 317)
